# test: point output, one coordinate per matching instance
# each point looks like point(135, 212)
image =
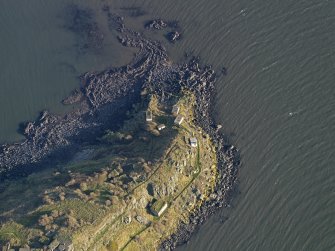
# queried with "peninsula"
point(143, 163)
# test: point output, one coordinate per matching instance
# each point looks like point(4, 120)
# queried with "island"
point(144, 162)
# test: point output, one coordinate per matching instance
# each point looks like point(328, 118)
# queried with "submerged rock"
point(157, 24)
point(173, 36)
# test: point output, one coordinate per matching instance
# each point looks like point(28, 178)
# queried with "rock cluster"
point(157, 24)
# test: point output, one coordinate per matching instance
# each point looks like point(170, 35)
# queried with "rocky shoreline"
point(102, 102)
point(201, 81)
point(228, 164)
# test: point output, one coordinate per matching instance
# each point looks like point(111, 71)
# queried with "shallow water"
point(41, 60)
point(276, 103)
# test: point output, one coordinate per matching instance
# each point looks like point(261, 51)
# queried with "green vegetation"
point(13, 233)
point(109, 196)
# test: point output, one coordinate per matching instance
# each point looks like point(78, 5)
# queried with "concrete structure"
point(5, 248)
point(66, 246)
point(160, 127)
point(53, 245)
point(179, 120)
point(159, 207)
point(127, 219)
point(61, 247)
point(142, 220)
point(148, 116)
point(175, 110)
point(194, 142)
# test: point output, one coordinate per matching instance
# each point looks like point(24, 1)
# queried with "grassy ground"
point(136, 236)
point(88, 201)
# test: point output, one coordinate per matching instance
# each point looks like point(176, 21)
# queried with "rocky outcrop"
point(103, 99)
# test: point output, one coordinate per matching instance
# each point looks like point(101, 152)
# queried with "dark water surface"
point(277, 102)
point(40, 59)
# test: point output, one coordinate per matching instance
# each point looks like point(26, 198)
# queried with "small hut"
point(159, 207)
point(193, 142)
point(24, 249)
point(66, 246)
point(160, 127)
point(179, 120)
point(175, 110)
point(53, 245)
point(148, 116)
